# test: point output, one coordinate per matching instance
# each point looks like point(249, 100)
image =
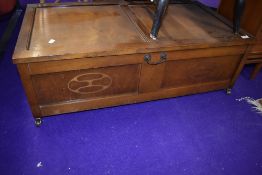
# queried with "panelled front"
point(129, 78)
point(91, 81)
point(68, 86)
point(197, 71)
point(181, 70)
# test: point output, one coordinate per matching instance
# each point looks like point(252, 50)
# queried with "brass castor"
point(228, 90)
point(38, 122)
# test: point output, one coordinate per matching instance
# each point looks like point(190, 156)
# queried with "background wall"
point(212, 3)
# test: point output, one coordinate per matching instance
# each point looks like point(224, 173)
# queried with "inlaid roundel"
point(89, 83)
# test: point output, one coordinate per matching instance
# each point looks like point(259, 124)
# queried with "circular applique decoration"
point(89, 83)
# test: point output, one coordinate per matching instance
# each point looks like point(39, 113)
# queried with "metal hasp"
point(163, 58)
point(160, 11)
point(238, 11)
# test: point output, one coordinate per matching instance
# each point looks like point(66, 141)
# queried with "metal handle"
point(163, 58)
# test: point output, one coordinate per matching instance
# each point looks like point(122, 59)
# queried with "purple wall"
point(212, 3)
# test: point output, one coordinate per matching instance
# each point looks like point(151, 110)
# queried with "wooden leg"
point(239, 9)
point(255, 71)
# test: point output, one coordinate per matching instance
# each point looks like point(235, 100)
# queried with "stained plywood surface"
point(81, 29)
point(185, 23)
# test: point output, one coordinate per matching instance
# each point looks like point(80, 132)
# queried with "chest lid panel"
point(69, 32)
point(81, 29)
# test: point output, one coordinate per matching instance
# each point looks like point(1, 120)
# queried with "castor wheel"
point(228, 90)
point(38, 122)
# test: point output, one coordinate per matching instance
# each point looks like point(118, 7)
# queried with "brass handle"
point(163, 58)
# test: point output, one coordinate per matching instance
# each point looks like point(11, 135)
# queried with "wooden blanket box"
point(75, 57)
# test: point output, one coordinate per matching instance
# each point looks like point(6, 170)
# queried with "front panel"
point(197, 71)
point(86, 84)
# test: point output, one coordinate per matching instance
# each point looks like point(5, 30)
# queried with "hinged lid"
point(68, 32)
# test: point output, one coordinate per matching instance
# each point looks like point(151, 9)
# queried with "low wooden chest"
point(78, 57)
